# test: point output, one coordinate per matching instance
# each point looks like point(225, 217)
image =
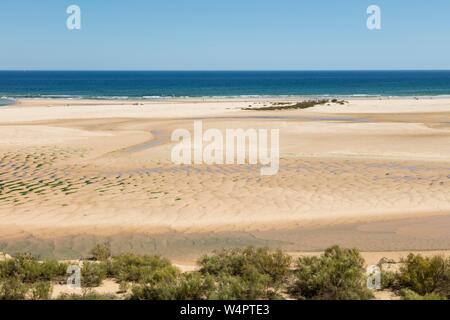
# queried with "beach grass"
point(296, 106)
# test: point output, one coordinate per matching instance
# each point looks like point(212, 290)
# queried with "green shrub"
point(338, 274)
point(160, 291)
point(29, 270)
point(12, 289)
point(389, 280)
point(425, 276)
point(134, 268)
point(188, 286)
point(159, 284)
point(124, 287)
point(41, 291)
point(232, 288)
point(93, 274)
point(252, 286)
point(248, 273)
point(299, 105)
point(101, 252)
point(274, 267)
point(194, 286)
point(86, 295)
point(154, 277)
point(411, 295)
point(50, 270)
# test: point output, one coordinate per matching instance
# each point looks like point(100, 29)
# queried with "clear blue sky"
point(224, 35)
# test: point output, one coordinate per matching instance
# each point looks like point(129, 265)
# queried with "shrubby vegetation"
point(175, 286)
point(12, 289)
point(101, 252)
point(426, 275)
point(235, 274)
point(24, 277)
point(339, 274)
point(229, 274)
point(28, 269)
point(295, 106)
point(93, 274)
point(411, 295)
point(40, 291)
point(298, 105)
point(129, 267)
point(247, 273)
point(421, 278)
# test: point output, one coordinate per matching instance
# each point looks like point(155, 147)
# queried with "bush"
point(421, 278)
point(338, 274)
point(160, 291)
point(262, 268)
point(389, 280)
point(13, 289)
point(41, 291)
point(299, 105)
point(411, 295)
point(134, 268)
point(101, 252)
point(159, 284)
point(233, 288)
point(252, 286)
point(425, 276)
point(124, 287)
point(93, 274)
point(28, 270)
point(194, 286)
point(189, 286)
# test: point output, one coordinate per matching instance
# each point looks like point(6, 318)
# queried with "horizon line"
point(214, 70)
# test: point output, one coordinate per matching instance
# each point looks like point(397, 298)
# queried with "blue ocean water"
point(157, 84)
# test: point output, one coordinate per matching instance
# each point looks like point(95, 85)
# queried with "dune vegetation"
point(232, 274)
point(297, 105)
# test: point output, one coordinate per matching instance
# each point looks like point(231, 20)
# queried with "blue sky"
point(224, 35)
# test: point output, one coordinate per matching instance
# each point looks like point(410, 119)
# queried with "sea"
point(245, 84)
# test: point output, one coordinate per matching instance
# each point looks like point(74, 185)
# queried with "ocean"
point(166, 84)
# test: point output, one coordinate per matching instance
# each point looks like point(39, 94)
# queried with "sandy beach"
point(372, 174)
